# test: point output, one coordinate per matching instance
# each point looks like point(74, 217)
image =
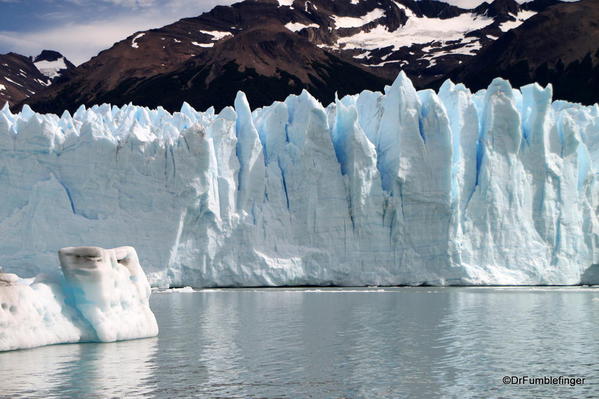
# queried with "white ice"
point(400, 187)
point(102, 297)
point(51, 69)
point(297, 26)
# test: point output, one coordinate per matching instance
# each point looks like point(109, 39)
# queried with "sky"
point(79, 29)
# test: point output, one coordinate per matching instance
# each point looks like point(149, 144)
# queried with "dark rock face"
point(271, 50)
point(20, 78)
point(214, 77)
point(560, 46)
point(51, 55)
point(499, 8)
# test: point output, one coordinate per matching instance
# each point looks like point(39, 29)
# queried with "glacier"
point(400, 187)
point(102, 296)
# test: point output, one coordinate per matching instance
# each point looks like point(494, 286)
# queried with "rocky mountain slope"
point(559, 45)
point(53, 64)
point(272, 48)
point(21, 76)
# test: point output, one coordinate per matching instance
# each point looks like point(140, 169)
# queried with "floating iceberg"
point(400, 187)
point(103, 297)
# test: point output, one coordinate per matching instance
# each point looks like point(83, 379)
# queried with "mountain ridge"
point(369, 42)
point(22, 76)
point(558, 46)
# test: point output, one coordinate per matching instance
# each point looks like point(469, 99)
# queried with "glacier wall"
point(400, 187)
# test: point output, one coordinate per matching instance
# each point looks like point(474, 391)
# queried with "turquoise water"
point(332, 343)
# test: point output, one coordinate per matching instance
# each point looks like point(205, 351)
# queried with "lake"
point(333, 343)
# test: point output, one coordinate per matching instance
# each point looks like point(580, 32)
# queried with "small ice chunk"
point(103, 296)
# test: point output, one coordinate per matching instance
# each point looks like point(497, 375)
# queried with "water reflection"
point(536, 332)
point(36, 372)
point(408, 342)
point(121, 369)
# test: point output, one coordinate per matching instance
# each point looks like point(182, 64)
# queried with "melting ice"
point(103, 296)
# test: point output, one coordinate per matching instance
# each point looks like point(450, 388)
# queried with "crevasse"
point(400, 187)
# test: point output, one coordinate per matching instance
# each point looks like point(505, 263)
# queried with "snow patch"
point(297, 26)
point(12, 81)
point(416, 31)
point(134, 43)
point(203, 44)
point(216, 35)
point(354, 22)
point(520, 18)
point(51, 68)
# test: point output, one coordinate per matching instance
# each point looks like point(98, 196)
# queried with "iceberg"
point(400, 187)
point(103, 296)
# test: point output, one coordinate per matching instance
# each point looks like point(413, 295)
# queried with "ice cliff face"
point(401, 187)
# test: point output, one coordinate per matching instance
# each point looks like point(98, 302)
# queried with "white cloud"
point(79, 41)
point(132, 3)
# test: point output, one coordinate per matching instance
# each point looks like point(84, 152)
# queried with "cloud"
point(132, 3)
point(79, 41)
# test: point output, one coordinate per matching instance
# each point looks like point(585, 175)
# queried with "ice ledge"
point(102, 296)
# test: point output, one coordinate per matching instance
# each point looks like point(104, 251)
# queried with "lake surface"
point(332, 343)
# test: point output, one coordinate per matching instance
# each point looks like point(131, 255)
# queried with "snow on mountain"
point(21, 77)
point(518, 20)
point(356, 22)
point(418, 30)
point(560, 45)
point(336, 46)
point(216, 35)
point(206, 59)
point(296, 26)
point(52, 64)
point(425, 38)
point(134, 40)
point(400, 187)
point(51, 68)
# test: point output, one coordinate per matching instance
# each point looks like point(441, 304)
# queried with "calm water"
point(338, 343)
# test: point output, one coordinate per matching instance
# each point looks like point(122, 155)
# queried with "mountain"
point(272, 48)
point(214, 77)
point(21, 76)
point(559, 45)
